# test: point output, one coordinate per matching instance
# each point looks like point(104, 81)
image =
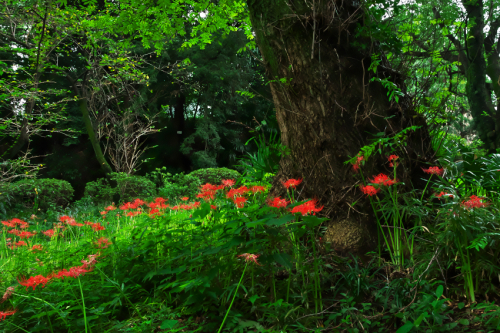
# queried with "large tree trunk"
point(327, 109)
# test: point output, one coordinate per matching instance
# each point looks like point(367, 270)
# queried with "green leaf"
point(282, 220)
point(439, 291)
point(283, 259)
point(464, 321)
point(405, 328)
point(168, 324)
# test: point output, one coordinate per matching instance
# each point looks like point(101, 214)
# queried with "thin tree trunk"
point(327, 109)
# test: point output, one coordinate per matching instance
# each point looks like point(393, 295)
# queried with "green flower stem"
point(83, 305)
point(234, 296)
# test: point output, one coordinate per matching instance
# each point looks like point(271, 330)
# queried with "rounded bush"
point(130, 187)
point(215, 175)
point(50, 192)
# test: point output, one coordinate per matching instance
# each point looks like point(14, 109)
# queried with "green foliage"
point(215, 175)
point(46, 192)
point(129, 187)
point(179, 185)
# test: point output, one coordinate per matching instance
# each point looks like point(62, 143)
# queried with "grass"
point(185, 267)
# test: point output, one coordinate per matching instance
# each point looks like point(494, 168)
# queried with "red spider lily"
point(160, 200)
point(7, 294)
point(154, 212)
point(103, 213)
point(257, 188)
point(138, 202)
point(213, 206)
point(130, 214)
point(210, 187)
point(73, 272)
point(383, 179)
point(278, 203)
point(110, 208)
point(127, 206)
point(26, 234)
point(228, 182)
point(369, 190)
point(237, 192)
point(75, 224)
point(37, 247)
point(97, 227)
point(207, 195)
point(4, 314)
point(34, 281)
point(9, 224)
point(445, 194)
point(250, 257)
point(65, 218)
point(434, 171)
point(474, 202)
point(92, 260)
point(391, 159)
point(240, 202)
point(292, 183)
point(307, 207)
point(184, 198)
point(356, 165)
point(13, 232)
point(21, 243)
point(49, 233)
point(103, 243)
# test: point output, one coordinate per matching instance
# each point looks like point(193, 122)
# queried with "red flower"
point(369, 190)
point(154, 212)
point(184, 198)
point(49, 233)
point(445, 194)
point(104, 213)
point(278, 203)
point(292, 183)
point(383, 179)
point(391, 159)
point(307, 208)
point(474, 202)
point(21, 243)
point(213, 206)
point(434, 171)
point(250, 257)
point(160, 200)
point(103, 243)
point(96, 226)
point(26, 234)
point(110, 208)
point(36, 247)
point(4, 314)
point(257, 188)
point(240, 201)
point(9, 224)
point(356, 165)
point(34, 281)
point(228, 182)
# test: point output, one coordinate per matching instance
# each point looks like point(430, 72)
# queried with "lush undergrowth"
point(238, 261)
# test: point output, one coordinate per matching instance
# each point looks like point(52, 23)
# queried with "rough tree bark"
point(327, 109)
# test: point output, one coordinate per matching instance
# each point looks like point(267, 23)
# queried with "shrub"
point(215, 175)
point(129, 188)
point(50, 192)
point(181, 185)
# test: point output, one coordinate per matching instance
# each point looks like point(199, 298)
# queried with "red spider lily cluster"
point(435, 170)
point(132, 205)
point(391, 159)
point(443, 194)
point(369, 190)
point(208, 191)
point(293, 183)
point(250, 257)
point(474, 202)
point(278, 202)
point(228, 182)
point(37, 247)
point(307, 208)
point(4, 314)
point(356, 165)
point(383, 179)
point(16, 222)
point(74, 272)
point(102, 243)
